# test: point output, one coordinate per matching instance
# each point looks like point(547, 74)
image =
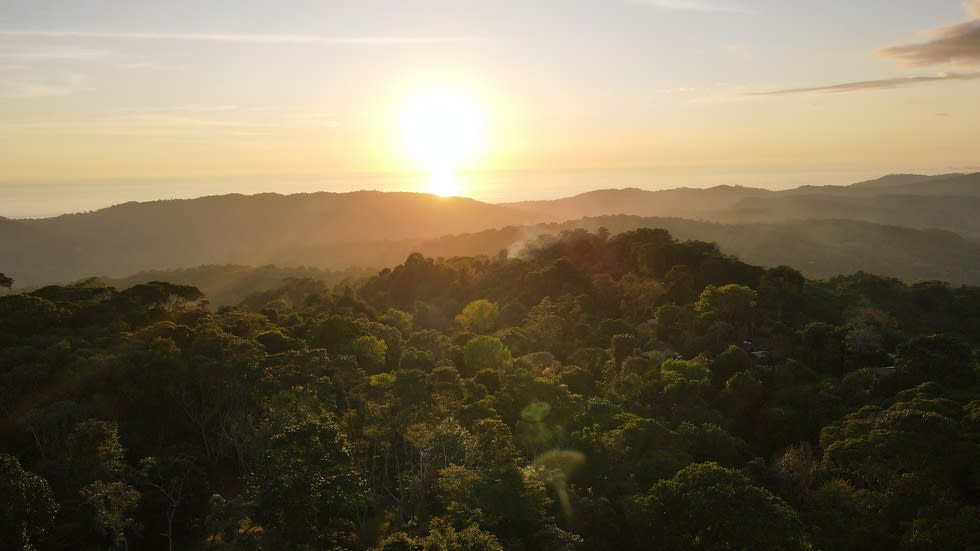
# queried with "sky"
point(181, 97)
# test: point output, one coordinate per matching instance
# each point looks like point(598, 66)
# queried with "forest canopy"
point(593, 391)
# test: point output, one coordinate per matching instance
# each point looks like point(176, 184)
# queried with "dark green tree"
point(27, 509)
point(113, 504)
point(705, 506)
point(305, 482)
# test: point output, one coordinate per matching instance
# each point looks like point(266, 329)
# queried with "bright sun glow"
point(442, 128)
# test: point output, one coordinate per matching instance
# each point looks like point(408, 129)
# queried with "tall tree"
point(27, 509)
point(113, 503)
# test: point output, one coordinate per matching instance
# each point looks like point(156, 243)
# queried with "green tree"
point(27, 509)
point(94, 451)
point(113, 503)
point(5, 281)
point(705, 506)
point(479, 316)
point(728, 363)
point(230, 526)
point(370, 352)
point(305, 482)
point(939, 358)
point(485, 352)
point(27, 315)
point(399, 319)
point(734, 304)
point(622, 346)
point(824, 347)
point(780, 287)
point(444, 537)
point(653, 450)
point(840, 516)
point(174, 482)
point(674, 324)
point(398, 541)
point(679, 284)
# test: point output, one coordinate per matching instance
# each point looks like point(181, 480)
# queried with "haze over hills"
point(955, 214)
point(894, 180)
point(679, 202)
point(235, 229)
point(890, 226)
point(947, 202)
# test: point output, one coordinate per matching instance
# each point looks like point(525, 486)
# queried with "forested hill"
point(891, 226)
point(680, 202)
point(918, 184)
point(599, 391)
point(946, 202)
point(821, 249)
point(234, 229)
point(229, 284)
point(949, 213)
point(818, 248)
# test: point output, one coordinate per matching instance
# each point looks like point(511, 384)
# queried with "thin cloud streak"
point(52, 54)
point(693, 5)
point(880, 84)
point(379, 40)
point(68, 86)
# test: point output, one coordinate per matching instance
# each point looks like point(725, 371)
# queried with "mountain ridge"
point(373, 228)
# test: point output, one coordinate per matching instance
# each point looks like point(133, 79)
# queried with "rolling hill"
point(912, 227)
point(300, 229)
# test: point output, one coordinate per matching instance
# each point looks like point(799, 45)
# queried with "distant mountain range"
point(947, 202)
point(909, 226)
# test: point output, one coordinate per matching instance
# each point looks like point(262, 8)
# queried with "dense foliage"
point(594, 392)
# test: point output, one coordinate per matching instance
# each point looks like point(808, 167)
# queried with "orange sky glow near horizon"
point(691, 93)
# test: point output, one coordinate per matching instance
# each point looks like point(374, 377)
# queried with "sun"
point(442, 127)
point(444, 183)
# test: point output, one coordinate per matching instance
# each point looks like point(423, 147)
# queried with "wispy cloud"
point(694, 5)
point(956, 44)
point(370, 40)
point(879, 84)
point(185, 108)
point(68, 86)
point(51, 54)
point(180, 121)
point(207, 122)
point(230, 115)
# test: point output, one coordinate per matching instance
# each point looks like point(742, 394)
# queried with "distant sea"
point(46, 199)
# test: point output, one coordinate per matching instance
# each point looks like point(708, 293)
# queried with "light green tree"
point(479, 316)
